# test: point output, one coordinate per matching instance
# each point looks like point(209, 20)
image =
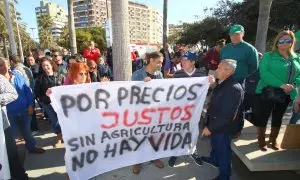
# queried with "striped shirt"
point(7, 94)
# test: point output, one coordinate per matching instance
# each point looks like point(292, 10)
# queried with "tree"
point(27, 42)
point(3, 30)
point(63, 40)
point(45, 23)
point(98, 36)
point(263, 25)
point(209, 30)
point(121, 57)
point(83, 36)
point(10, 28)
point(165, 22)
point(283, 15)
point(72, 28)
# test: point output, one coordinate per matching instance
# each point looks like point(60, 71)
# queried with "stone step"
point(245, 147)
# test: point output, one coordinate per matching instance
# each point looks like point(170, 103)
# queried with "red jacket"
point(133, 56)
point(91, 55)
point(212, 59)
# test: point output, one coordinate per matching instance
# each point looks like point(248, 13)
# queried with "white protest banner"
point(111, 125)
point(4, 167)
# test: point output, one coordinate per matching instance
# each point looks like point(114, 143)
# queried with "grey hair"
point(231, 64)
point(5, 60)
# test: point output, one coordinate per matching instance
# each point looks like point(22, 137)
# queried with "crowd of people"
point(243, 84)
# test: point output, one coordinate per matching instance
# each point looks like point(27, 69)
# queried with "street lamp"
point(19, 37)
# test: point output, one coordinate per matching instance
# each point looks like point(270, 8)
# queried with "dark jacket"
point(165, 58)
point(183, 74)
point(62, 68)
point(104, 70)
point(95, 77)
point(212, 59)
point(44, 82)
point(251, 83)
point(225, 102)
point(35, 70)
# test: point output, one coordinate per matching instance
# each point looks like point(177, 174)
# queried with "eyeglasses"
point(81, 74)
point(282, 41)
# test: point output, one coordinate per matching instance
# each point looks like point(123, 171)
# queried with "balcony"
point(81, 2)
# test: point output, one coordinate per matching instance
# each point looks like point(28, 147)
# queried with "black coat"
point(95, 77)
point(225, 102)
point(43, 82)
point(35, 70)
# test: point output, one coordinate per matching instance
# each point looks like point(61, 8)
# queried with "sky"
point(178, 10)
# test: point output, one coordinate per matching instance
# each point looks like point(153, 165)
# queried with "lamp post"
point(32, 29)
point(19, 37)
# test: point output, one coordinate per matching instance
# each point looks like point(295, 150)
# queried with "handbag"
point(275, 94)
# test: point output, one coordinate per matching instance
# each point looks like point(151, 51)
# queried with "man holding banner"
point(151, 71)
point(222, 118)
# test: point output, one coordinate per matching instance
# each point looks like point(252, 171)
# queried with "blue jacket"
point(25, 97)
point(225, 102)
point(139, 75)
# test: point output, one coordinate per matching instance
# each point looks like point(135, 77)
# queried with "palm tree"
point(10, 28)
point(72, 34)
point(263, 24)
point(27, 41)
point(45, 24)
point(3, 30)
point(120, 32)
point(165, 22)
point(64, 40)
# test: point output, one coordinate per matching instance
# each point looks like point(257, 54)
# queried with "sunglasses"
point(81, 74)
point(282, 41)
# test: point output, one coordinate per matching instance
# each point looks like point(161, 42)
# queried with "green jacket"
point(273, 71)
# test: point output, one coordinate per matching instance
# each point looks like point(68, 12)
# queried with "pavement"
point(51, 166)
point(247, 150)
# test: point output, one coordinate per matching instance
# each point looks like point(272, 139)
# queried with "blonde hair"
point(280, 35)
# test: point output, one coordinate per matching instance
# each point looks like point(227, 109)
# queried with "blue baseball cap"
point(190, 55)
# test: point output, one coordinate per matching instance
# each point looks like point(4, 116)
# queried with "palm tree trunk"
point(2, 38)
point(72, 34)
point(5, 47)
point(165, 22)
point(12, 42)
point(120, 32)
point(263, 25)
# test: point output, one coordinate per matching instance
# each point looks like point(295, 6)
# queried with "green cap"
point(236, 29)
